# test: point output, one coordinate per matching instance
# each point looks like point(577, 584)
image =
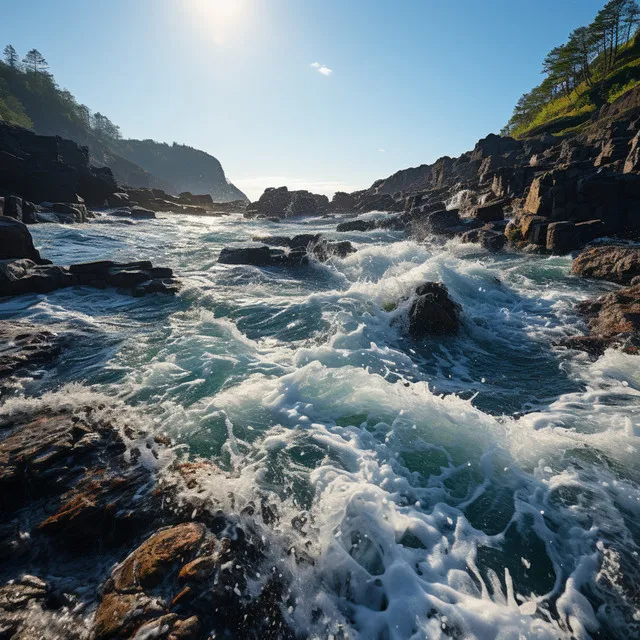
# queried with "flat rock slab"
point(19, 277)
point(614, 263)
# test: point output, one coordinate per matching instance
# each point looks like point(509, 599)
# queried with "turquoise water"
point(481, 486)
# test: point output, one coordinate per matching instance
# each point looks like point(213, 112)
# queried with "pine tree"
point(11, 57)
point(35, 61)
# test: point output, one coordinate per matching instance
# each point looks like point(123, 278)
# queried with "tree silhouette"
point(35, 61)
point(11, 57)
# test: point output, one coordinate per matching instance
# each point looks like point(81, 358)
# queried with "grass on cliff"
point(568, 114)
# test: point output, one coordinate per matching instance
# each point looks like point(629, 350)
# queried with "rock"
point(16, 241)
point(539, 199)
point(13, 207)
point(117, 200)
point(29, 212)
point(490, 212)
point(343, 202)
point(263, 257)
point(356, 225)
point(614, 263)
point(490, 240)
point(562, 237)
point(25, 345)
point(142, 213)
point(47, 168)
point(147, 566)
point(324, 250)
point(18, 277)
point(433, 312)
point(632, 162)
point(282, 203)
point(439, 222)
point(613, 319)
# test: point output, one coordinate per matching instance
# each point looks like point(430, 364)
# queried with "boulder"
point(613, 319)
point(357, 225)
point(19, 277)
point(282, 203)
point(263, 257)
point(142, 213)
point(13, 207)
point(439, 222)
point(16, 241)
point(325, 249)
point(433, 312)
point(614, 263)
point(490, 239)
point(342, 202)
point(117, 200)
point(490, 212)
point(562, 237)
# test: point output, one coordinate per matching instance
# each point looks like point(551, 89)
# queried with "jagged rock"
point(16, 241)
point(325, 249)
point(613, 319)
point(493, 240)
point(490, 212)
point(562, 237)
point(343, 202)
point(282, 203)
point(433, 312)
point(24, 345)
point(47, 168)
point(18, 277)
point(357, 225)
point(301, 241)
point(263, 257)
point(117, 200)
point(632, 162)
point(614, 263)
point(13, 207)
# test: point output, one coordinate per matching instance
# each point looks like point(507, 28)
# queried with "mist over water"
point(479, 486)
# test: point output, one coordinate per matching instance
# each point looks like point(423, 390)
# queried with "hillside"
point(30, 97)
point(598, 63)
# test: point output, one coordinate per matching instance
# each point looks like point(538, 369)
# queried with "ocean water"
point(478, 486)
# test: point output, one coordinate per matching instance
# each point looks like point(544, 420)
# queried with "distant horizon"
point(325, 98)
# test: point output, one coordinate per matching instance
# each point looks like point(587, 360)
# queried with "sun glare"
point(220, 17)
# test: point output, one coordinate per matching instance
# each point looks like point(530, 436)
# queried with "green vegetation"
point(597, 65)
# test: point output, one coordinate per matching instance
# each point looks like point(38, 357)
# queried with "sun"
point(220, 17)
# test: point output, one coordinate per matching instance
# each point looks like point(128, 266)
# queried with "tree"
point(104, 127)
point(631, 17)
point(11, 57)
point(35, 61)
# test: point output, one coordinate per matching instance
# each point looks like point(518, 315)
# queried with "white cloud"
point(254, 187)
point(322, 68)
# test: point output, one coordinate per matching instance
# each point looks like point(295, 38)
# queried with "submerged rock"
point(357, 225)
point(433, 312)
point(26, 345)
point(614, 263)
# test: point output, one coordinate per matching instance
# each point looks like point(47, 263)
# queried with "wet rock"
point(13, 207)
point(491, 239)
point(301, 241)
point(490, 212)
point(146, 567)
point(613, 319)
point(19, 277)
point(263, 257)
point(343, 202)
point(433, 312)
point(614, 263)
point(325, 249)
point(25, 345)
point(562, 237)
point(356, 225)
point(282, 203)
point(16, 241)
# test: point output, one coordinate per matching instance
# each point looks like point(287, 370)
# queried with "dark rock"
point(343, 202)
point(282, 203)
point(613, 319)
point(29, 212)
point(563, 237)
point(263, 257)
point(13, 207)
point(356, 225)
point(25, 345)
point(324, 250)
point(433, 312)
point(24, 276)
point(141, 212)
point(439, 222)
point(614, 263)
point(47, 168)
point(117, 200)
point(16, 241)
point(490, 212)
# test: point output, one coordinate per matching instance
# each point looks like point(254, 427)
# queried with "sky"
point(322, 95)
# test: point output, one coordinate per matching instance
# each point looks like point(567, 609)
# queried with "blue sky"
point(409, 80)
